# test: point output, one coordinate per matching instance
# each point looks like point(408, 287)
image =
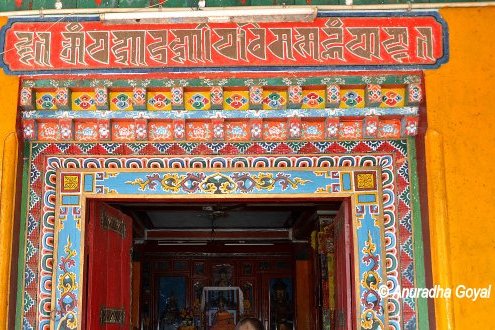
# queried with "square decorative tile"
point(121, 101)
point(103, 129)
point(236, 100)
point(29, 129)
point(179, 129)
point(274, 99)
point(237, 131)
point(352, 98)
point(177, 98)
point(410, 126)
point(333, 95)
point(48, 131)
point(161, 100)
point(393, 97)
point(70, 182)
point(389, 128)
point(198, 100)
point(371, 127)
point(295, 96)
point(199, 131)
point(45, 100)
point(139, 98)
point(86, 130)
point(295, 128)
point(332, 128)
point(62, 98)
point(373, 95)
point(256, 96)
point(275, 130)
point(83, 101)
point(161, 130)
point(351, 129)
point(313, 129)
point(101, 98)
point(218, 129)
point(26, 98)
point(216, 97)
point(313, 99)
point(414, 94)
point(123, 130)
point(365, 180)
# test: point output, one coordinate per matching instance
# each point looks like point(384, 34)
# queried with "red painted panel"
point(344, 317)
point(108, 267)
point(364, 40)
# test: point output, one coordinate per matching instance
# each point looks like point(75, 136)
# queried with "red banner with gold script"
point(365, 41)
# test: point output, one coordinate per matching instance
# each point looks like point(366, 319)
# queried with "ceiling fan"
point(215, 211)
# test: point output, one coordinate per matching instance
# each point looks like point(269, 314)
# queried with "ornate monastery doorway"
point(214, 145)
point(293, 113)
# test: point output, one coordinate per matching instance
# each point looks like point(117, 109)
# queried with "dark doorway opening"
point(200, 265)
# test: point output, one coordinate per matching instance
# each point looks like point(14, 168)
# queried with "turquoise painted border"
point(224, 114)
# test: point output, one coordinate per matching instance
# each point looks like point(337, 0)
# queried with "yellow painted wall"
point(461, 136)
point(8, 160)
point(461, 133)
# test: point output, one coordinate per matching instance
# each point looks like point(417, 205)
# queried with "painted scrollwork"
point(217, 183)
point(67, 284)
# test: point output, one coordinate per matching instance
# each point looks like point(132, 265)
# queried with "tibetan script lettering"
point(328, 41)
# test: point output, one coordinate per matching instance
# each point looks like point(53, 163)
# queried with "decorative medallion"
point(236, 100)
point(313, 99)
point(45, 101)
point(352, 98)
point(120, 100)
point(197, 101)
point(83, 101)
point(274, 99)
point(159, 101)
point(392, 98)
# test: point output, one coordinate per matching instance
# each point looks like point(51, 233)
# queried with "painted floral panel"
point(83, 101)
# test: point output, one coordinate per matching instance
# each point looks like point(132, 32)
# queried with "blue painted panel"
point(229, 114)
point(88, 182)
point(346, 181)
point(368, 198)
point(70, 200)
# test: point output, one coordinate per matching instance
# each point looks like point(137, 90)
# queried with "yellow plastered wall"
point(8, 159)
point(460, 152)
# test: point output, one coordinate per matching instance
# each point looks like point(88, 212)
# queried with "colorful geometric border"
point(47, 158)
point(272, 109)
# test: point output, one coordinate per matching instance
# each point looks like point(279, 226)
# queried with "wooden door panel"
point(343, 268)
point(108, 269)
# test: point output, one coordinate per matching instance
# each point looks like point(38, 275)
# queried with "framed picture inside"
point(171, 300)
point(281, 304)
point(221, 305)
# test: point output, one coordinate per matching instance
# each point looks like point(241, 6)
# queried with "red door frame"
point(346, 208)
point(345, 317)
